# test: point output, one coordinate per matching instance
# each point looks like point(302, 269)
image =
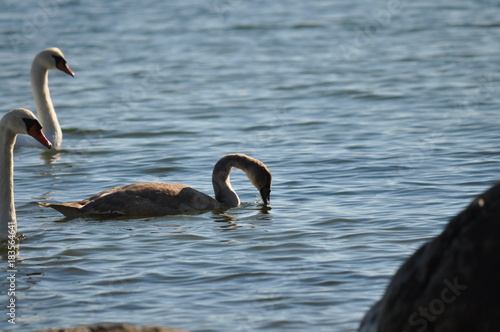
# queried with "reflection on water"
point(51, 157)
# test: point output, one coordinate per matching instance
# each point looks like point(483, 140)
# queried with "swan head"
point(262, 181)
point(53, 58)
point(260, 176)
point(23, 121)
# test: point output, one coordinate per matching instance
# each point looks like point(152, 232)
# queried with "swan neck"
point(7, 207)
point(44, 107)
point(224, 193)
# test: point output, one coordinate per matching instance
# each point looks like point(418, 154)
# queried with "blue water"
point(378, 119)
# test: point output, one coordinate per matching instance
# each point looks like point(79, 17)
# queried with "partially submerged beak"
point(37, 134)
point(265, 193)
point(62, 66)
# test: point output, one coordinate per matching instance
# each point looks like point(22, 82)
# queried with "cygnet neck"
point(224, 193)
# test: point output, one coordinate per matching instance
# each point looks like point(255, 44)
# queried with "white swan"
point(50, 58)
point(18, 121)
point(156, 198)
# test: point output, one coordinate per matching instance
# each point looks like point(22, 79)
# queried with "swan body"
point(18, 121)
point(157, 198)
point(50, 58)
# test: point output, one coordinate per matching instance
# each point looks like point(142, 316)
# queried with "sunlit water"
point(378, 119)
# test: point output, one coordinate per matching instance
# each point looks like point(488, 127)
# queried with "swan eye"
point(30, 123)
point(61, 65)
point(34, 129)
point(59, 59)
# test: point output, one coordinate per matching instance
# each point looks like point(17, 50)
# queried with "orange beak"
point(62, 66)
point(37, 134)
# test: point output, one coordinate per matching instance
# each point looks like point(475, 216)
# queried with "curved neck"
point(224, 193)
point(44, 108)
point(7, 207)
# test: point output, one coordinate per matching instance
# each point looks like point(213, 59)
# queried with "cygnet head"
point(53, 58)
point(261, 178)
point(23, 121)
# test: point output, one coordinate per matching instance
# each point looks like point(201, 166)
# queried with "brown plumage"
point(157, 198)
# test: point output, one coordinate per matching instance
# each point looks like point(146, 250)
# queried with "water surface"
point(378, 119)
